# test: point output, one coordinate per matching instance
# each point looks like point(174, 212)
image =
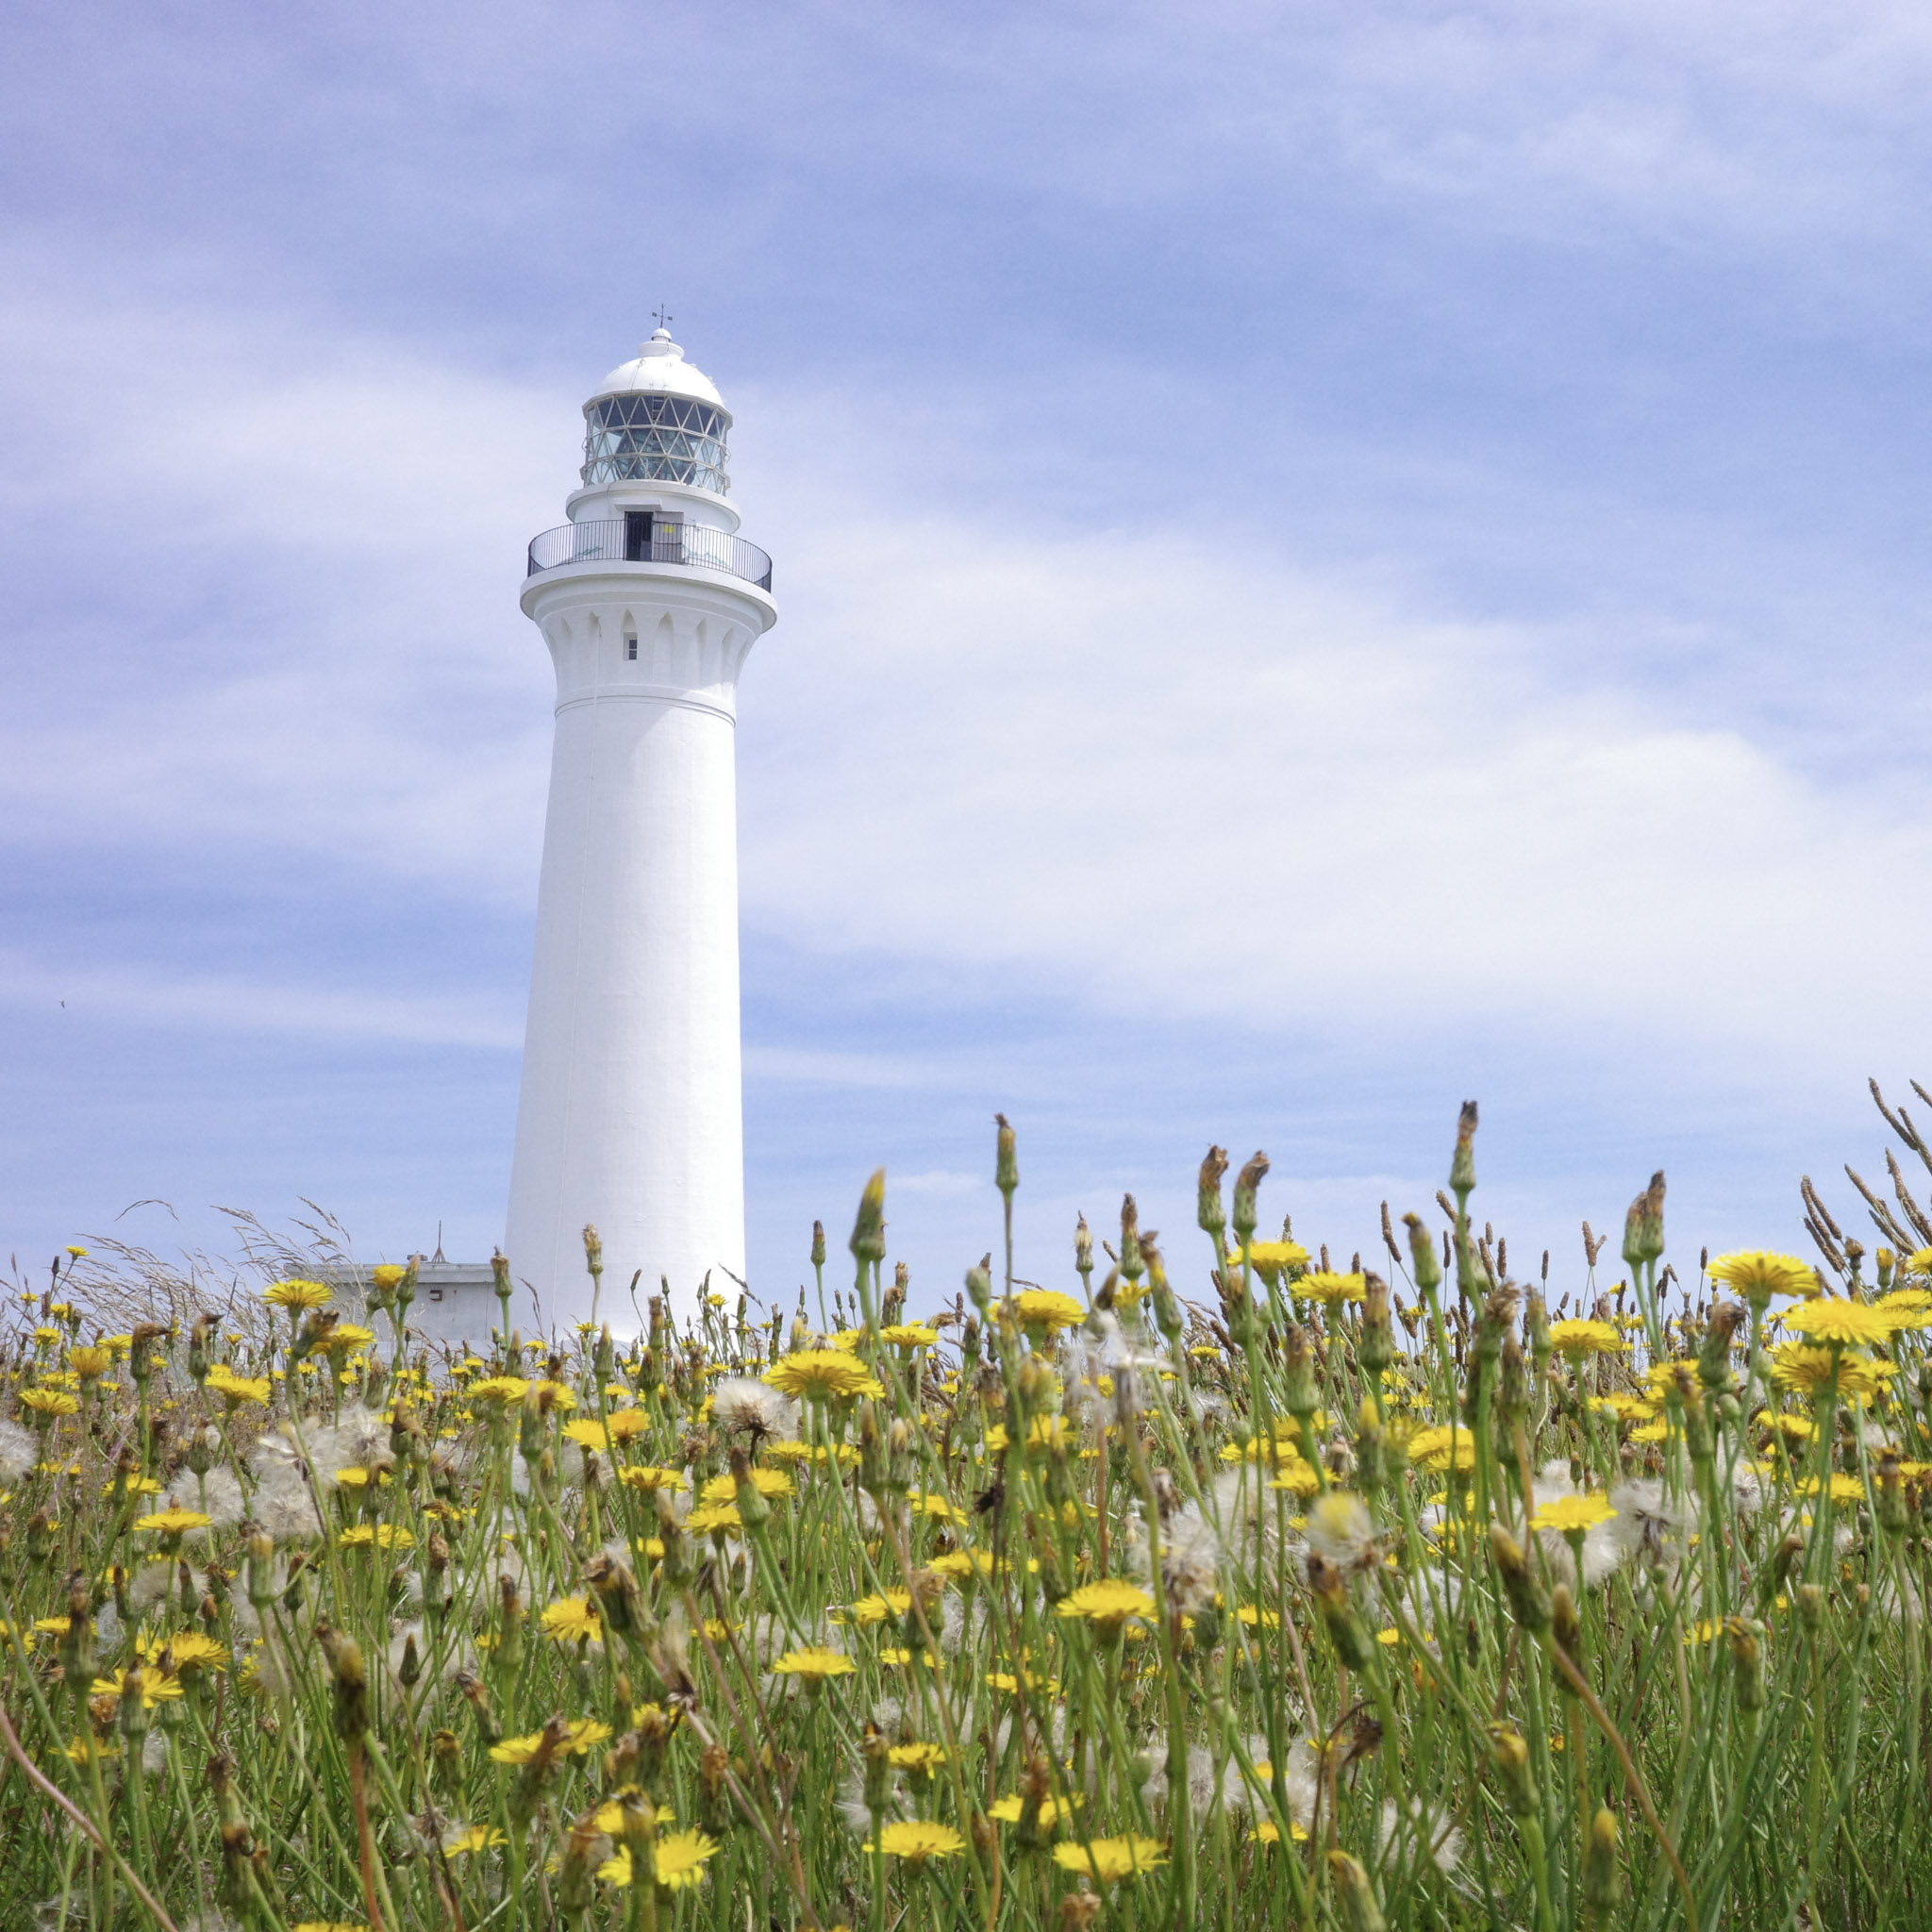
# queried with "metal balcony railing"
point(693, 545)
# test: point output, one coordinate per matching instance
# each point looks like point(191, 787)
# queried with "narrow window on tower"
point(630, 649)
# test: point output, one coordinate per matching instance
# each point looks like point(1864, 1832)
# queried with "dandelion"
point(1273, 1260)
point(1326, 1285)
point(48, 1403)
point(155, 1687)
point(376, 1536)
point(1107, 1606)
point(1575, 1340)
point(678, 1859)
point(572, 1618)
point(916, 1839)
point(1830, 1320)
point(740, 1406)
point(1566, 1514)
point(1435, 1446)
point(584, 1734)
point(1043, 1312)
point(814, 1665)
point(174, 1523)
point(1107, 1860)
point(1757, 1275)
point(824, 1374)
point(297, 1295)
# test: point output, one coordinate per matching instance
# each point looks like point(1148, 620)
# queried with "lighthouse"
point(630, 1116)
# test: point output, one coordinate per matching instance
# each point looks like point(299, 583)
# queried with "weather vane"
point(661, 316)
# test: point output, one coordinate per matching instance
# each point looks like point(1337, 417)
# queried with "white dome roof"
point(660, 369)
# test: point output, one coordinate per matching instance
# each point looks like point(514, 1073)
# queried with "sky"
point(1333, 559)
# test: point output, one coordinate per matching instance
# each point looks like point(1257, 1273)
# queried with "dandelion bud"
point(1889, 1483)
point(675, 1568)
point(1633, 1234)
point(1339, 1618)
point(1651, 1225)
point(1509, 1761)
point(297, 1591)
point(980, 1284)
point(1714, 1352)
point(1005, 1173)
point(1528, 1601)
point(868, 1242)
point(1535, 1325)
point(1299, 1396)
point(1371, 1444)
point(1247, 1184)
point(1812, 1607)
point(344, 1658)
point(499, 1272)
point(1512, 1392)
point(410, 1669)
point(1356, 1894)
point(1603, 1871)
point(1210, 1215)
point(1375, 1345)
point(1425, 1268)
point(1566, 1627)
point(1462, 1162)
point(576, 1872)
point(1747, 1658)
point(1131, 1268)
point(753, 1511)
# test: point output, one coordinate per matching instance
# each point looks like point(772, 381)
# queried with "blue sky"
point(1332, 558)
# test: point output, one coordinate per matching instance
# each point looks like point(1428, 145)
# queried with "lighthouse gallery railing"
point(615, 542)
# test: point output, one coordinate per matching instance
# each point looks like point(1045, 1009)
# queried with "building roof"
point(660, 368)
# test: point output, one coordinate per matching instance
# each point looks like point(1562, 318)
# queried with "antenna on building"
point(436, 1260)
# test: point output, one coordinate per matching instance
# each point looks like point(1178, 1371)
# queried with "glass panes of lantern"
point(655, 439)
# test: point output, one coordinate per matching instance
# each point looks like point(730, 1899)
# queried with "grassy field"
point(1344, 1592)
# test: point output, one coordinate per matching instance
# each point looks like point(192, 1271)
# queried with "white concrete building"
point(631, 1114)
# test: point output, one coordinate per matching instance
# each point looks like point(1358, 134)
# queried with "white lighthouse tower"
point(631, 1114)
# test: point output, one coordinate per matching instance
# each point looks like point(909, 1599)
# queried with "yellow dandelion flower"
point(471, 1837)
point(1757, 1275)
point(1008, 1811)
point(1575, 1339)
point(1042, 1312)
point(1110, 1859)
point(909, 1335)
point(1273, 1260)
point(772, 1484)
point(155, 1687)
point(376, 1536)
point(173, 1521)
point(1107, 1606)
point(1572, 1513)
point(678, 1859)
point(876, 1609)
point(823, 1375)
point(642, 1476)
point(499, 1389)
point(570, 1618)
point(922, 1760)
point(49, 1402)
point(585, 1733)
point(916, 1839)
point(713, 1519)
point(814, 1664)
point(296, 1295)
point(1435, 1446)
point(1830, 1318)
point(1326, 1285)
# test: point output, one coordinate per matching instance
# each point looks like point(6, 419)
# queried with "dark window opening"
point(637, 536)
point(630, 649)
